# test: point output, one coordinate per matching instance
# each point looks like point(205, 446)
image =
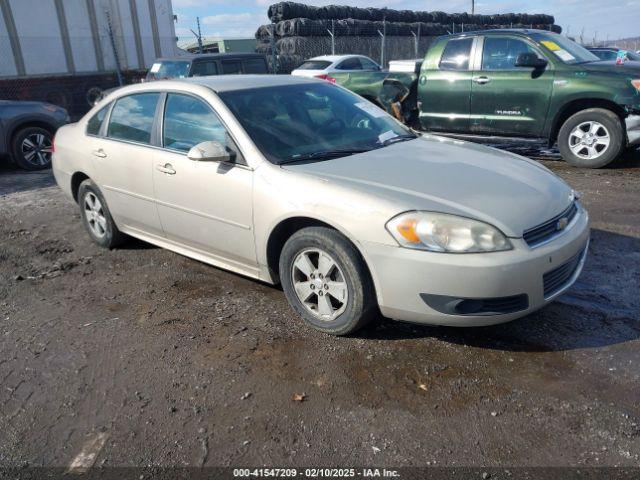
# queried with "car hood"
point(628, 67)
point(438, 174)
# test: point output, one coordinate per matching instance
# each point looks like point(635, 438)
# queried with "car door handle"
point(166, 168)
point(99, 153)
point(481, 80)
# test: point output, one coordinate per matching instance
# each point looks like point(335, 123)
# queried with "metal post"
point(200, 48)
point(333, 37)
point(382, 41)
point(112, 40)
point(272, 41)
point(473, 7)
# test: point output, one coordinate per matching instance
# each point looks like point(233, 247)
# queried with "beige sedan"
point(300, 182)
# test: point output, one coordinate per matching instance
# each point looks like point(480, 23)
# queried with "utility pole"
point(473, 7)
point(198, 37)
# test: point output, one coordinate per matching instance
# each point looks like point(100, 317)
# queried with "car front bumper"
point(633, 129)
point(414, 285)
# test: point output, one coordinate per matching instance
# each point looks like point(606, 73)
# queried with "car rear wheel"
point(326, 281)
point(592, 138)
point(32, 148)
point(96, 216)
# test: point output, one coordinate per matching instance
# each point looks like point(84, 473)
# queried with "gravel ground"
point(142, 357)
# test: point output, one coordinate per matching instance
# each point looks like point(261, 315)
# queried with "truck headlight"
point(440, 232)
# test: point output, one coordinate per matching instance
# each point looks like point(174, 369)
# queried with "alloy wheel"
point(95, 215)
point(37, 149)
point(589, 140)
point(320, 284)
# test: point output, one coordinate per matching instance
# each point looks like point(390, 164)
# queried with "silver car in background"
point(300, 182)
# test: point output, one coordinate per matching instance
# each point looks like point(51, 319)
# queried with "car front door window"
point(188, 122)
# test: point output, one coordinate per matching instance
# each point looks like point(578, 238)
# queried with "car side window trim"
point(480, 52)
point(159, 126)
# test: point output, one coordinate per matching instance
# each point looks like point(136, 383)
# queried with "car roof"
point(335, 58)
point(208, 56)
point(220, 83)
point(512, 31)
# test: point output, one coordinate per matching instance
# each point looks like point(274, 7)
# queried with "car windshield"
point(169, 69)
point(566, 50)
point(314, 65)
point(312, 121)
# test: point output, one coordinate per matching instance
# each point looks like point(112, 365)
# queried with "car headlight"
point(440, 232)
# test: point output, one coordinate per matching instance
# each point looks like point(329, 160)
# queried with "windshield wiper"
point(399, 138)
point(324, 155)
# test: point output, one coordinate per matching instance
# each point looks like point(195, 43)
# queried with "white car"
point(321, 67)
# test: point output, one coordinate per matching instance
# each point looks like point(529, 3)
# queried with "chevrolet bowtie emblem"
point(562, 224)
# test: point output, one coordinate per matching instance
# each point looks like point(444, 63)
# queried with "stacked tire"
point(299, 31)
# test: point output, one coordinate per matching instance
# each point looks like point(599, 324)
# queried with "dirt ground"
point(142, 357)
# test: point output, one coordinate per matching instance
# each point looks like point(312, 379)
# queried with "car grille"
point(540, 234)
point(557, 279)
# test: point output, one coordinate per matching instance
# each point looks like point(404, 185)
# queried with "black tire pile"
point(302, 31)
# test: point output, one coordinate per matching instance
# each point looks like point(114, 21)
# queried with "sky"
point(613, 19)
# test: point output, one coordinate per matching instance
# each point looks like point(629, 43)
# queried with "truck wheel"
point(326, 281)
point(96, 216)
point(32, 148)
point(592, 138)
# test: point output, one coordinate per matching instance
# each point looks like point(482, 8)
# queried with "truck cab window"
point(457, 54)
point(500, 53)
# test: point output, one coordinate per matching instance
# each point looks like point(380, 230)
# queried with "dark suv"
point(26, 132)
point(208, 64)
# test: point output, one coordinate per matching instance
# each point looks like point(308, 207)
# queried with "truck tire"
point(32, 147)
point(591, 138)
point(326, 281)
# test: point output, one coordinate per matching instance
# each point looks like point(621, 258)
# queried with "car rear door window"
point(132, 117)
point(231, 67)
point(95, 123)
point(368, 64)
point(501, 53)
point(350, 64)
point(314, 65)
point(457, 54)
point(201, 69)
point(255, 65)
point(189, 121)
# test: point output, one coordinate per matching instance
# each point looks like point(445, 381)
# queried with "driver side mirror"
point(530, 60)
point(209, 152)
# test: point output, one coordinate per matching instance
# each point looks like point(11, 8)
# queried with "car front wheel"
point(592, 138)
point(326, 281)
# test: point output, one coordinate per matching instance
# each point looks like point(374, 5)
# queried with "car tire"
point(96, 217)
point(31, 148)
point(595, 124)
point(353, 300)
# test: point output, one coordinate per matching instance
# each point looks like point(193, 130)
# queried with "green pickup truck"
point(515, 83)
